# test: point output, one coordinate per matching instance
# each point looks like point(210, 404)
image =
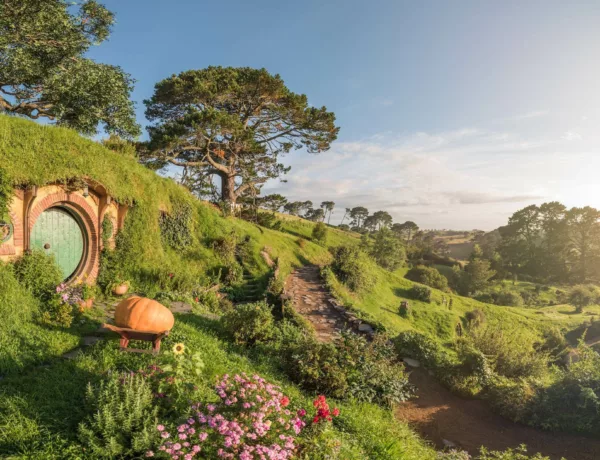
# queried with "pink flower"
point(149, 454)
point(160, 428)
point(164, 435)
point(182, 436)
point(301, 412)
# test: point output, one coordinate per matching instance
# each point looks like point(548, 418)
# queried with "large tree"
point(406, 230)
point(273, 202)
point(328, 207)
point(584, 231)
point(43, 73)
point(234, 123)
point(358, 214)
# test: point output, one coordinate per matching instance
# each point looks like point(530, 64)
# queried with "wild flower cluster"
point(252, 420)
point(323, 414)
point(68, 294)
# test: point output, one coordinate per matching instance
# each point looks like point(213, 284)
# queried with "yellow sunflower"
point(178, 348)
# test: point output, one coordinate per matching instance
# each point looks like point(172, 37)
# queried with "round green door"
point(57, 232)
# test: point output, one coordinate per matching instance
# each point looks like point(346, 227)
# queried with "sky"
point(453, 114)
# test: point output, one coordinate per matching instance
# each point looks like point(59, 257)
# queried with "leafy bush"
point(421, 293)
point(250, 323)
point(429, 276)
point(512, 352)
point(39, 273)
point(106, 231)
point(123, 419)
point(353, 267)
point(510, 299)
point(176, 226)
point(582, 296)
point(512, 398)
point(319, 233)
point(572, 403)
point(349, 367)
point(387, 250)
point(475, 318)
point(421, 347)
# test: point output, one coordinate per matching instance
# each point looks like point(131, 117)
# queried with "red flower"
point(336, 412)
point(285, 401)
point(197, 300)
point(316, 419)
point(171, 275)
point(301, 413)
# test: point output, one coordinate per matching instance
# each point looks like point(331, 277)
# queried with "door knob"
point(47, 246)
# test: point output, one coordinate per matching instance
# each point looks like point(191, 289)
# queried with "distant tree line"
point(546, 243)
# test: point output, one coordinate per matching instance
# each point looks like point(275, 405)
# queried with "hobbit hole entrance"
point(58, 231)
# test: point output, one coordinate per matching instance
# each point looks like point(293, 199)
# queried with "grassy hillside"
point(180, 258)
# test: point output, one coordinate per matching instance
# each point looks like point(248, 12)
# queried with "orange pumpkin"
point(143, 314)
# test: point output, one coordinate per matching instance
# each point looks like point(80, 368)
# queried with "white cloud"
point(571, 136)
point(466, 178)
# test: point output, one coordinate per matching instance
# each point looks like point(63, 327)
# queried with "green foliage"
point(107, 230)
point(350, 367)
point(422, 293)
point(250, 323)
point(475, 318)
point(419, 346)
point(520, 453)
point(6, 191)
point(123, 420)
point(581, 296)
point(509, 298)
point(387, 250)
point(353, 267)
point(45, 72)
point(512, 353)
point(209, 109)
point(475, 277)
point(319, 233)
point(572, 402)
point(39, 273)
point(176, 226)
point(429, 276)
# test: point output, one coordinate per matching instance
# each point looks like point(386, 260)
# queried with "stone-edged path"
point(437, 414)
point(312, 300)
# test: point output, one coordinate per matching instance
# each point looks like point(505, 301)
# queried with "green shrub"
point(572, 402)
point(250, 323)
point(213, 302)
point(421, 293)
point(581, 296)
point(415, 345)
point(176, 226)
point(512, 398)
point(353, 267)
point(429, 276)
point(509, 299)
point(386, 249)
point(512, 352)
point(349, 367)
point(106, 231)
point(39, 273)
point(319, 233)
point(520, 453)
point(475, 318)
point(123, 418)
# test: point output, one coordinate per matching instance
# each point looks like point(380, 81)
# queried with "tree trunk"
point(228, 189)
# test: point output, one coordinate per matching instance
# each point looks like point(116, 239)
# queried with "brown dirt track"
point(439, 415)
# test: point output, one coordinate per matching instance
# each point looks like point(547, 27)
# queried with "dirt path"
point(439, 415)
point(311, 300)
